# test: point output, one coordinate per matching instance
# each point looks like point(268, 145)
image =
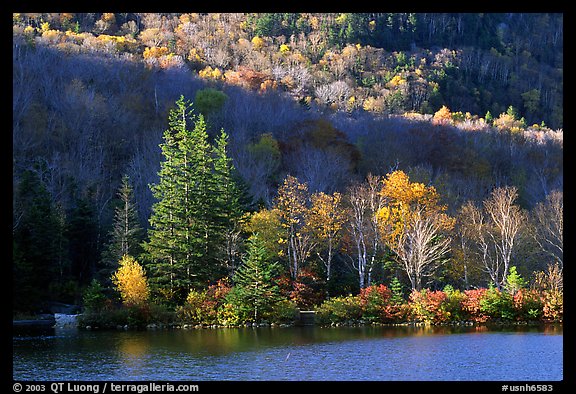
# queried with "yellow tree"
point(412, 224)
point(442, 116)
point(292, 204)
point(325, 219)
point(130, 280)
point(266, 223)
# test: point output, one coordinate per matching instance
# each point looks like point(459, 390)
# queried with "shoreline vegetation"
point(375, 305)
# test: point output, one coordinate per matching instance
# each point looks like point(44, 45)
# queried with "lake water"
point(294, 354)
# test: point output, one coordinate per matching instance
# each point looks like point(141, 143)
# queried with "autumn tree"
point(267, 224)
point(413, 225)
point(325, 219)
point(292, 204)
point(506, 218)
point(130, 281)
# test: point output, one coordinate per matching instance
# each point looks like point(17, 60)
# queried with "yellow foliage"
point(349, 51)
point(109, 17)
point(210, 73)
point(195, 55)
point(443, 115)
point(257, 43)
point(373, 104)
point(151, 52)
point(291, 201)
point(130, 280)
point(52, 35)
point(404, 200)
point(314, 23)
point(396, 80)
point(341, 19)
point(266, 223)
point(326, 216)
point(29, 30)
point(284, 48)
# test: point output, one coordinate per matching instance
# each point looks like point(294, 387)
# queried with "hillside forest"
point(323, 153)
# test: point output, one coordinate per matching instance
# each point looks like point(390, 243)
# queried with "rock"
point(63, 320)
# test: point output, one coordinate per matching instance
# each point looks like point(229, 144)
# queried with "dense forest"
point(350, 150)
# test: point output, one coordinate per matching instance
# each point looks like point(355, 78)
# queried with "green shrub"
point(452, 306)
point(339, 309)
point(94, 298)
point(284, 312)
point(199, 308)
point(227, 315)
point(497, 304)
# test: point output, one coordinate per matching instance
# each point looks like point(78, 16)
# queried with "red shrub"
point(471, 305)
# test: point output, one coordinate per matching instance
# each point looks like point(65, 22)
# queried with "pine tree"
point(255, 289)
point(126, 234)
point(229, 202)
point(36, 232)
point(171, 245)
point(197, 204)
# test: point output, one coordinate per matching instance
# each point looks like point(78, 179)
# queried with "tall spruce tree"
point(126, 234)
point(228, 205)
point(191, 213)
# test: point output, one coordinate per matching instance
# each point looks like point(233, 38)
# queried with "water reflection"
point(299, 353)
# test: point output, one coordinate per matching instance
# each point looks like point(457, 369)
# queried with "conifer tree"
point(36, 232)
point(197, 202)
point(172, 247)
point(126, 234)
point(255, 288)
point(228, 204)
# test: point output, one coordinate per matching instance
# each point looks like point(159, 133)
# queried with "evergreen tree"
point(229, 202)
point(35, 243)
point(255, 289)
point(171, 245)
point(82, 234)
point(197, 203)
point(126, 234)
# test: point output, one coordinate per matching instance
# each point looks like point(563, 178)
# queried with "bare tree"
point(549, 225)
point(323, 170)
point(507, 217)
point(495, 230)
point(365, 201)
point(422, 247)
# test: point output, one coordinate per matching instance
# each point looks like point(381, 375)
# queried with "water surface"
point(297, 353)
